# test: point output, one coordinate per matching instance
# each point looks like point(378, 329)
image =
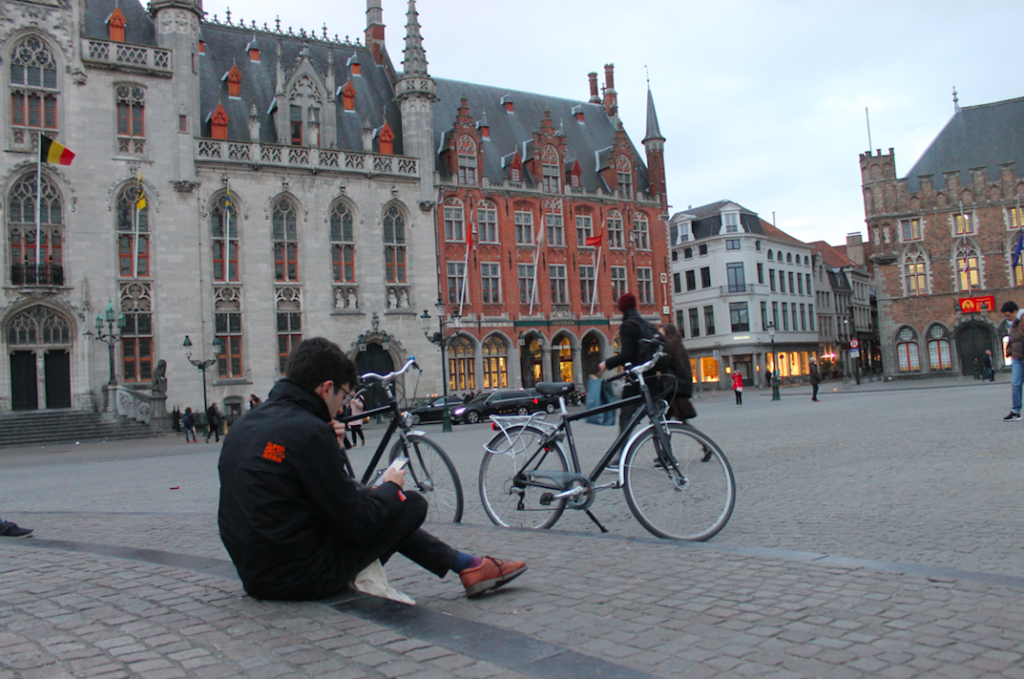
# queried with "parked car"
point(500, 402)
point(548, 403)
point(433, 409)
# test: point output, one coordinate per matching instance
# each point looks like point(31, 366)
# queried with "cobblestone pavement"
point(929, 478)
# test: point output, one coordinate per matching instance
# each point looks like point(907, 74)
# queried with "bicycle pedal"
point(547, 499)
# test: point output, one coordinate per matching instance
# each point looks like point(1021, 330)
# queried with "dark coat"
point(1015, 349)
point(288, 502)
point(629, 340)
point(213, 416)
point(815, 374)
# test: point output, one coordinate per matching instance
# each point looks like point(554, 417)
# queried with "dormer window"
point(348, 96)
point(731, 221)
point(202, 47)
point(219, 123)
point(576, 175)
point(234, 79)
point(506, 101)
point(295, 118)
point(386, 140)
point(685, 232)
point(485, 129)
point(515, 174)
point(115, 24)
point(578, 112)
point(353, 64)
point(549, 169)
point(624, 174)
point(254, 52)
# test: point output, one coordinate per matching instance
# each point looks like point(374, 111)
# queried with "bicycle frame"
point(396, 425)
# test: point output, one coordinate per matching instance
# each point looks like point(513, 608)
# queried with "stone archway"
point(531, 356)
point(39, 342)
point(972, 339)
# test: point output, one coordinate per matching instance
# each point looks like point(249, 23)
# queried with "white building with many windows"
point(738, 281)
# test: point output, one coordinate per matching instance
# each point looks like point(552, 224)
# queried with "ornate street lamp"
point(200, 364)
point(775, 365)
point(109, 338)
point(438, 338)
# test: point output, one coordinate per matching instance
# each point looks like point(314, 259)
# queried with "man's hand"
point(601, 367)
point(396, 476)
point(339, 431)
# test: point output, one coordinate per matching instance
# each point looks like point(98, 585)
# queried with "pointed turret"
point(654, 144)
point(414, 62)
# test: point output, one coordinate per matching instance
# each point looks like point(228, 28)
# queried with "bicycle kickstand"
point(594, 519)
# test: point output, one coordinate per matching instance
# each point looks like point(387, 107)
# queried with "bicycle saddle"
point(555, 388)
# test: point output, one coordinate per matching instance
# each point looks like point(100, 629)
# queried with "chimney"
point(595, 98)
point(611, 100)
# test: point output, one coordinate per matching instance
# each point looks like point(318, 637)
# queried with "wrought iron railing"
point(37, 274)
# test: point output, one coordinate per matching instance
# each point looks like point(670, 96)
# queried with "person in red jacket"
point(296, 523)
point(737, 386)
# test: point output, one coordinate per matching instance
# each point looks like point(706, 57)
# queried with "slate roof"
point(510, 131)
point(975, 136)
point(707, 221)
point(139, 29)
point(227, 45)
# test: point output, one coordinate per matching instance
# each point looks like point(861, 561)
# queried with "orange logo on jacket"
point(274, 452)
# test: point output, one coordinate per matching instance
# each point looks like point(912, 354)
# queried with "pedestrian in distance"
point(815, 379)
point(296, 523)
point(681, 407)
point(1015, 352)
point(990, 368)
point(9, 529)
point(737, 386)
point(188, 423)
point(213, 422)
point(356, 426)
point(254, 401)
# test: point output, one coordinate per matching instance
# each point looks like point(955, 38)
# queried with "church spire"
point(414, 62)
point(653, 130)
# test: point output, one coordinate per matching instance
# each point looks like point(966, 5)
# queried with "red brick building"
point(546, 215)
point(942, 240)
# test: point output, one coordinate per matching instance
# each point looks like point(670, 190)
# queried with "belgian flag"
point(52, 152)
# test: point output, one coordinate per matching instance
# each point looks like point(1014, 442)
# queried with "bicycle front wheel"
point(508, 498)
point(433, 475)
point(687, 494)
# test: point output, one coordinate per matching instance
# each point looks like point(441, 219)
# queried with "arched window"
point(939, 355)
point(466, 151)
point(137, 334)
point(615, 236)
point(289, 324)
point(33, 89)
point(624, 175)
point(394, 246)
point(495, 362)
point(286, 242)
point(549, 170)
point(131, 112)
point(132, 233)
point(641, 237)
point(224, 233)
point(915, 273)
point(343, 246)
point(38, 325)
point(461, 375)
point(906, 351)
point(770, 256)
point(1017, 272)
point(967, 266)
point(32, 262)
point(789, 258)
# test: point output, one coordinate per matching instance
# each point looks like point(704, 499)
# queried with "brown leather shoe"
point(491, 574)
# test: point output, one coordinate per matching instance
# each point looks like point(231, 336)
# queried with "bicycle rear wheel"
point(691, 497)
point(507, 498)
point(433, 475)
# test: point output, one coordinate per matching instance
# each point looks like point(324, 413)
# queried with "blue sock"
point(464, 561)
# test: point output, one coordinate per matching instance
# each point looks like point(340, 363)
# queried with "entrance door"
point(24, 389)
point(591, 356)
point(561, 360)
point(530, 361)
point(745, 365)
point(374, 360)
point(57, 369)
point(971, 342)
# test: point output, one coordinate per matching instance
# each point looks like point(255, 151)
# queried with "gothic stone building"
point(291, 190)
point(942, 239)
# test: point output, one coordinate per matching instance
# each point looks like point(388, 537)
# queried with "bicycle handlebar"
point(391, 375)
point(639, 370)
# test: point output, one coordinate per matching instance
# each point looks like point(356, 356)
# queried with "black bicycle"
point(430, 471)
point(677, 481)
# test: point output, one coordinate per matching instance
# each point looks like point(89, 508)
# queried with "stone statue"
point(339, 298)
point(159, 377)
point(403, 301)
point(391, 299)
point(351, 299)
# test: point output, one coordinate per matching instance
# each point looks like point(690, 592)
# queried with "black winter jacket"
point(629, 340)
point(287, 501)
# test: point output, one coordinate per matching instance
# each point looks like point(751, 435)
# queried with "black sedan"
point(433, 410)
point(500, 402)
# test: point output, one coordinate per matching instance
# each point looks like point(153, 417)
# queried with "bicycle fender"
point(629, 444)
point(415, 432)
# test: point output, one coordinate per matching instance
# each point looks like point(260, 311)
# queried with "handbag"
point(682, 409)
point(600, 393)
point(366, 420)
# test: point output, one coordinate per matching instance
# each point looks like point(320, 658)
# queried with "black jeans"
point(357, 432)
point(403, 535)
point(814, 395)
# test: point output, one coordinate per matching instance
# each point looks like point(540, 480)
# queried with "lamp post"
point(438, 338)
point(200, 364)
point(776, 396)
point(109, 338)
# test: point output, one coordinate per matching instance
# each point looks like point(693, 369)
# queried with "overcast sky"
point(761, 102)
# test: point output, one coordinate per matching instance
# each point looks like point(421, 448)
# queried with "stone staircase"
point(48, 427)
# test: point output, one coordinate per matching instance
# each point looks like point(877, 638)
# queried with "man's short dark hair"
point(1009, 307)
point(317, 360)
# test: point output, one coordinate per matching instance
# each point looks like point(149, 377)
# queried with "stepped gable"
point(511, 132)
point(228, 45)
point(140, 29)
point(976, 136)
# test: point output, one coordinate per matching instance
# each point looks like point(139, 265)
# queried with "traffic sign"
point(854, 343)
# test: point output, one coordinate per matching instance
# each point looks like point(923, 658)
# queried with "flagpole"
point(597, 267)
point(465, 268)
point(536, 272)
point(39, 193)
point(967, 272)
point(135, 245)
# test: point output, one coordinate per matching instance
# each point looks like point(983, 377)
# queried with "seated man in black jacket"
point(295, 523)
